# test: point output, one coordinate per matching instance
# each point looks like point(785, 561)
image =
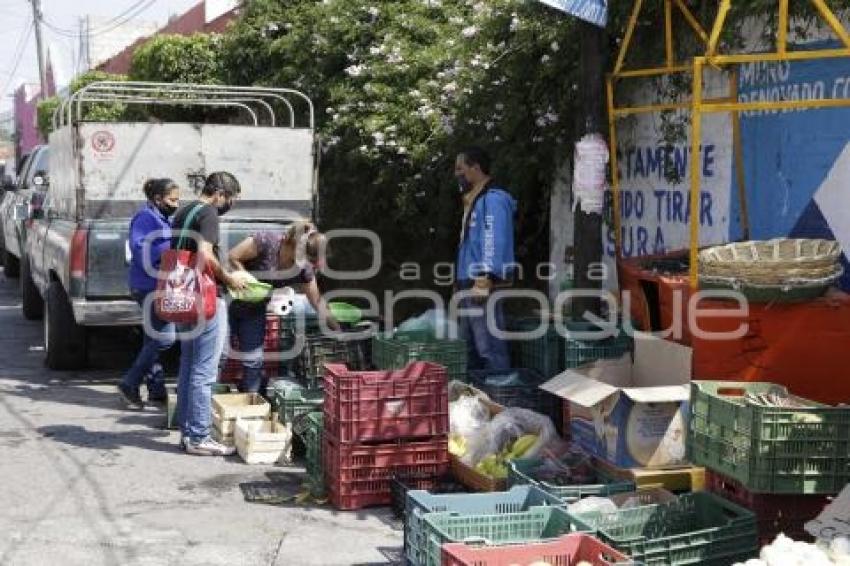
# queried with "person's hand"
point(481, 289)
point(238, 280)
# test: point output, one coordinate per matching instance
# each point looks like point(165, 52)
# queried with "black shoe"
point(131, 397)
point(157, 396)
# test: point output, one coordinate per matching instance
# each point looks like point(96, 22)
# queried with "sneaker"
point(209, 447)
point(131, 397)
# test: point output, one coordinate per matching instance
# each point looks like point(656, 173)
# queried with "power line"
point(134, 11)
point(19, 53)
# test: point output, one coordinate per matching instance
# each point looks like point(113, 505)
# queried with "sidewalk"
point(87, 483)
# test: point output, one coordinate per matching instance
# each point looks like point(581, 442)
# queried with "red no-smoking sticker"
point(103, 141)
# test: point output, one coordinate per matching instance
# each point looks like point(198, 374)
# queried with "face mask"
point(463, 184)
point(225, 208)
point(166, 209)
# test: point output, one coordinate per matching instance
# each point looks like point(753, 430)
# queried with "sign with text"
point(593, 11)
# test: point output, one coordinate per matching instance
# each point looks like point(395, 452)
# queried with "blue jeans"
point(199, 357)
point(248, 324)
point(152, 346)
point(484, 351)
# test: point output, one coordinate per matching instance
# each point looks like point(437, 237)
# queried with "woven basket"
point(773, 262)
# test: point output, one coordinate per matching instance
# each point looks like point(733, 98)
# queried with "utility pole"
point(588, 227)
point(42, 69)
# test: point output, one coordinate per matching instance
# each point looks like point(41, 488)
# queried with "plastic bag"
point(469, 418)
point(514, 422)
point(592, 505)
point(433, 321)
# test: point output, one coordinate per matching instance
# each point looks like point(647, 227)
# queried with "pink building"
point(27, 97)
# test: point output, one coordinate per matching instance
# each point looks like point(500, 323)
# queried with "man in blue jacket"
point(485, 259)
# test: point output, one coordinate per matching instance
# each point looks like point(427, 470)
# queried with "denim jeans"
point(162, 340)
point(248, 324)
point(484, 351)
point(199, 357)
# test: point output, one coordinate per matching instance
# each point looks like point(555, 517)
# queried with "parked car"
point(77, 251)
point(21, 205)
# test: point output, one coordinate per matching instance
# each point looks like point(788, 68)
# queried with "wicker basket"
point(779, 262)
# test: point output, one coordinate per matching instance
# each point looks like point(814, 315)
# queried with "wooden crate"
point(263, 442)
point(240, 405)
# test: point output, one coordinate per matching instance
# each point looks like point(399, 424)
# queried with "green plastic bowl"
point(345, 313)
point(253, 293)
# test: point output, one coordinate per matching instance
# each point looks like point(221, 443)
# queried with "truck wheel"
point(11, 266)
point(33, 304)
point(65, 343)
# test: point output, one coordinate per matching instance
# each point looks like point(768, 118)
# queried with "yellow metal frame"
point(699, 106)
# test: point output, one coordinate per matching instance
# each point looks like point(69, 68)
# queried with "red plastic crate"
point(775, 514)
point(361, 475)
point(567, 550)
point(363, 406)
point(232, 370)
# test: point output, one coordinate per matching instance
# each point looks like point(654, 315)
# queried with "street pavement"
point(85, 482)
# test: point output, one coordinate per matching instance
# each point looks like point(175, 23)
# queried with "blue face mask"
point(463, 184)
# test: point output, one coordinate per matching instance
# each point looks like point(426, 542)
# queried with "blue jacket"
point(147, 220)
point(487, 245)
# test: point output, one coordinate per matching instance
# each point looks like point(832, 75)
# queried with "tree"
point(96, 111)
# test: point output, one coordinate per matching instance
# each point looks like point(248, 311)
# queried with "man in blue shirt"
point(485, 258)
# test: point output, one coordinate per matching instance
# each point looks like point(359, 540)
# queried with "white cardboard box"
point(631, 412)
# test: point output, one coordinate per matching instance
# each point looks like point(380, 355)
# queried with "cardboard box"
point(632, 413)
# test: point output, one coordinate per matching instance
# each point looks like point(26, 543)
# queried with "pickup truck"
point(27, 195)
point(78, 253)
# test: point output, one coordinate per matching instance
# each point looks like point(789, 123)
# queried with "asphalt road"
point(85, 482)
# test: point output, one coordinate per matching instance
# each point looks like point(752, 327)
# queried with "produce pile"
point(786, 552)
point(487, 440)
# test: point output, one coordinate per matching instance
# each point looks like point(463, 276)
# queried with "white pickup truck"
point(77, 252)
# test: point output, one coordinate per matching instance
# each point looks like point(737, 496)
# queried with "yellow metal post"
point(627, 40)
point(692, 21)
point(696, 138)
point(615, 172)
point(832, 21)
point(738, 150)
point(668, 32)
point(718, 27)
point(782, 32)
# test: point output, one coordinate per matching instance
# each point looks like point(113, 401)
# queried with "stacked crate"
point(379, 425)
point(231, 368)
point(228, 407)
point(780, 460)
point(397, 350)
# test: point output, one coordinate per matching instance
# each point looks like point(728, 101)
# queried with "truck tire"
point(65, 344)
point(11, 265)
point(33, 304)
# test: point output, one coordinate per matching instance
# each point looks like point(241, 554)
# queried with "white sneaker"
point(209, 447)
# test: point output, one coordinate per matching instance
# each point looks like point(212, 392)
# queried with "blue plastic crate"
point(421, 503)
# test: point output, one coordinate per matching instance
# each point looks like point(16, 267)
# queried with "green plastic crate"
point(321, 350)
point(398, 351)
point(524, 472)
point(803, 451)
point(552, 353)
point(298, 401)
point(312, 437)
point(535, 524)
point(418, 504)
point(696, 529)
point(579, 352)
point(544, 354)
